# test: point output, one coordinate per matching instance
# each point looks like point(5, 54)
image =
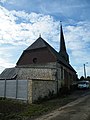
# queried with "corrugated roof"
point(8, 73)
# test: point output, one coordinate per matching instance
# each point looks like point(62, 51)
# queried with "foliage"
point(10, 109)
point(81, 78)
point(88, 77)
point(15, 110)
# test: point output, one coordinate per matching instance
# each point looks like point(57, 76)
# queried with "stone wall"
point(43, 88)
point(41, 80)
point(68, 77)
point(43, 72)
point(44, 79)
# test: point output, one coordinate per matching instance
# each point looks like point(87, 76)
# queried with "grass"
point(15, 110)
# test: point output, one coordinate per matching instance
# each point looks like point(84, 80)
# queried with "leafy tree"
point(88, 77)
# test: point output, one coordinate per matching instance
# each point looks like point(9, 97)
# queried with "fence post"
point(16, 88)
point(27, 90)
point(5, 89)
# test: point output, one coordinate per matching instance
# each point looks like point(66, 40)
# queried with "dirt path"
point(77, 110)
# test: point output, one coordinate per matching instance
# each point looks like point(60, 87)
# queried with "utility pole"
point(84, 71)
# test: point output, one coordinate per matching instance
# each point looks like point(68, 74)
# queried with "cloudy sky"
point(21, 22)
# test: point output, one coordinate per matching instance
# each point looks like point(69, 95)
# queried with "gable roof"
point(41, 43)
point(8, 73)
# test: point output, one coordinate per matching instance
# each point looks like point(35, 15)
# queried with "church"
point(45, 69)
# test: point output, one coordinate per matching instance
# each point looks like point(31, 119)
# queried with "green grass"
point(15, 110)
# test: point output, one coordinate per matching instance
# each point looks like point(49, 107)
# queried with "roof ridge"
point(39, 43)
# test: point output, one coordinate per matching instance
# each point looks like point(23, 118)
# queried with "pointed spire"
point(62, 41)
point(63, 52)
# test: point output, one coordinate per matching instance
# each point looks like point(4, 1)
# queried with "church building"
point(46, 70)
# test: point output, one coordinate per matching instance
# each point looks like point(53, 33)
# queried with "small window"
point(34, 60)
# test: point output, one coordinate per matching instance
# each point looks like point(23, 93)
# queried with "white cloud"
point(8, 1)
point(28, 28)
point(9, 55)
point(5, 61)
point(77, 37)
point(22, 33)
point(78, 42)
point(19, 28)
point(2, 1)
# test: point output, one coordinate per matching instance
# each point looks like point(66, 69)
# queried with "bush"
point(64, 91)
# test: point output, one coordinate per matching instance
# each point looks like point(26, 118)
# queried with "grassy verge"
point(12, 110)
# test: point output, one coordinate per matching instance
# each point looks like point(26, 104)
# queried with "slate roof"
point(8, 73)
point(41, 43)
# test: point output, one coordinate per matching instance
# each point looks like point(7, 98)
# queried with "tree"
point(81, 78)
point(88, 77)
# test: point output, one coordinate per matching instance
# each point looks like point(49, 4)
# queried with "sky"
point(22, 21)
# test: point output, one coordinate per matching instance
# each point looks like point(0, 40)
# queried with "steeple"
point(63, 52)
point(62, 41)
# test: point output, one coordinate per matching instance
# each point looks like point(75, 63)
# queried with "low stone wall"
point(43, 88)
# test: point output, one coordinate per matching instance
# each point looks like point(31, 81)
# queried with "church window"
point(34, 60)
